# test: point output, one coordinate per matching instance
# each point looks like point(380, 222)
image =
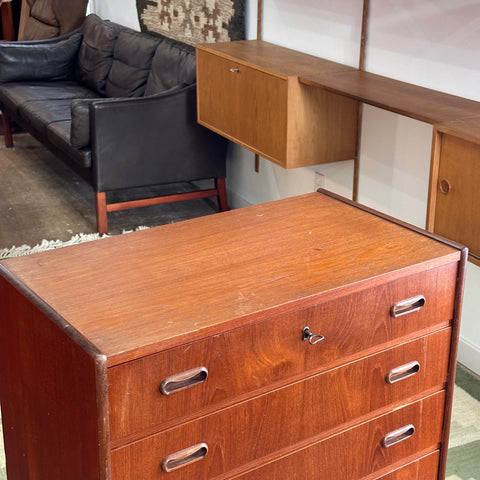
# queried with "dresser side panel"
point(48, 395)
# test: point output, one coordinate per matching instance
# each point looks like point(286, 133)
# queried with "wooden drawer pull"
point(183, 380)
point(184, 457)
point(407, 306)
point(445, 186)
point(402, 372)
point(312, 339)
point(398, 436)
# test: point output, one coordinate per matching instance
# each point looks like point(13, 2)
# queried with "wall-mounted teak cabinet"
point(454, 208)
point(249, 92)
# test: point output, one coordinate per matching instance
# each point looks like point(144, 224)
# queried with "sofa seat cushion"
point(132, 59)
point(14, 94)
point(173, 65)
point(58, 133)
point(38, 114)
point(96, 53)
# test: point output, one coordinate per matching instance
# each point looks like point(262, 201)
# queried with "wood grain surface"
point(137, 293)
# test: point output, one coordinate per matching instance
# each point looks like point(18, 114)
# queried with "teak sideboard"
point(307, 338)
point(298, 110)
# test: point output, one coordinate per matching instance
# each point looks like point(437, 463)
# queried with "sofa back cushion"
point(173, 64)
point(43, 60)
point(132, 58)
point(96, 53)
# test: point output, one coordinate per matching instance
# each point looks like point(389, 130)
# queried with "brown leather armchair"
point(43, 19)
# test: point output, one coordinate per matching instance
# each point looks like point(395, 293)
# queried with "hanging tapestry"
point(193, 21)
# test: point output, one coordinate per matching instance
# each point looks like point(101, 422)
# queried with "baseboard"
point(469, 355)
point(236, 201)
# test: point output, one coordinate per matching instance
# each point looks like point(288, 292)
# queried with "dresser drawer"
point(294, 414)
point(360, 451)
point(247, 360)
point(228, 445)
point(425, 468)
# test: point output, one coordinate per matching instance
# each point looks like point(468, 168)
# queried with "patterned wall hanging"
point(194, 21)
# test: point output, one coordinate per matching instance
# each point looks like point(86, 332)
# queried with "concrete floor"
point(41, 198)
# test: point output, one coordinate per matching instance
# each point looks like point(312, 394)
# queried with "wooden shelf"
point(465, 128)
point(406, 99)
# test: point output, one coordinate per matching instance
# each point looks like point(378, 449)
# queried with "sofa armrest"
point(33, 60)
point(80, 113)
point(152, 140)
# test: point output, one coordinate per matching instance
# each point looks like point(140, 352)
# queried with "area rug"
point(464, 446)
point(193, 21)
point(53, 244)
point(47, 245)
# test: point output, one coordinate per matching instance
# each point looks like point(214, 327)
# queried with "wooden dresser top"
point(134, 294)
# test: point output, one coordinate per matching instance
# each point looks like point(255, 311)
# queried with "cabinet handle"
point(184, 457)
point(181, 381)
point(407, 306)
point(235, 70)
point(312, 339)
point(444, 186)
point(402, 372)
point(398, 436)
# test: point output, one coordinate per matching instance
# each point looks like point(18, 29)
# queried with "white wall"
point(433, 43)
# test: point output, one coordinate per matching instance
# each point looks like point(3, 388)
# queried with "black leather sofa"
point(118, 106)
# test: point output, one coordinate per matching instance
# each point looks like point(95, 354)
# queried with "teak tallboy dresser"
point(306, 338)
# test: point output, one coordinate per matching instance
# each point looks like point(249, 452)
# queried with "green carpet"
point(464, 448)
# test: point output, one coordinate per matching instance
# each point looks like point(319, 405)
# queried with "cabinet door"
point(457, 211)
point(244, 104)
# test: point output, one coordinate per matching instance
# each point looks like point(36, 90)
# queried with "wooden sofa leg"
point(7, 131)
point(101, 209)
point(222, 194)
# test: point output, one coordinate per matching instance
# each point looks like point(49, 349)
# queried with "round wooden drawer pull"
point(445, 186)
point(184, 457)
point(181, 381)
point(398, 436)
